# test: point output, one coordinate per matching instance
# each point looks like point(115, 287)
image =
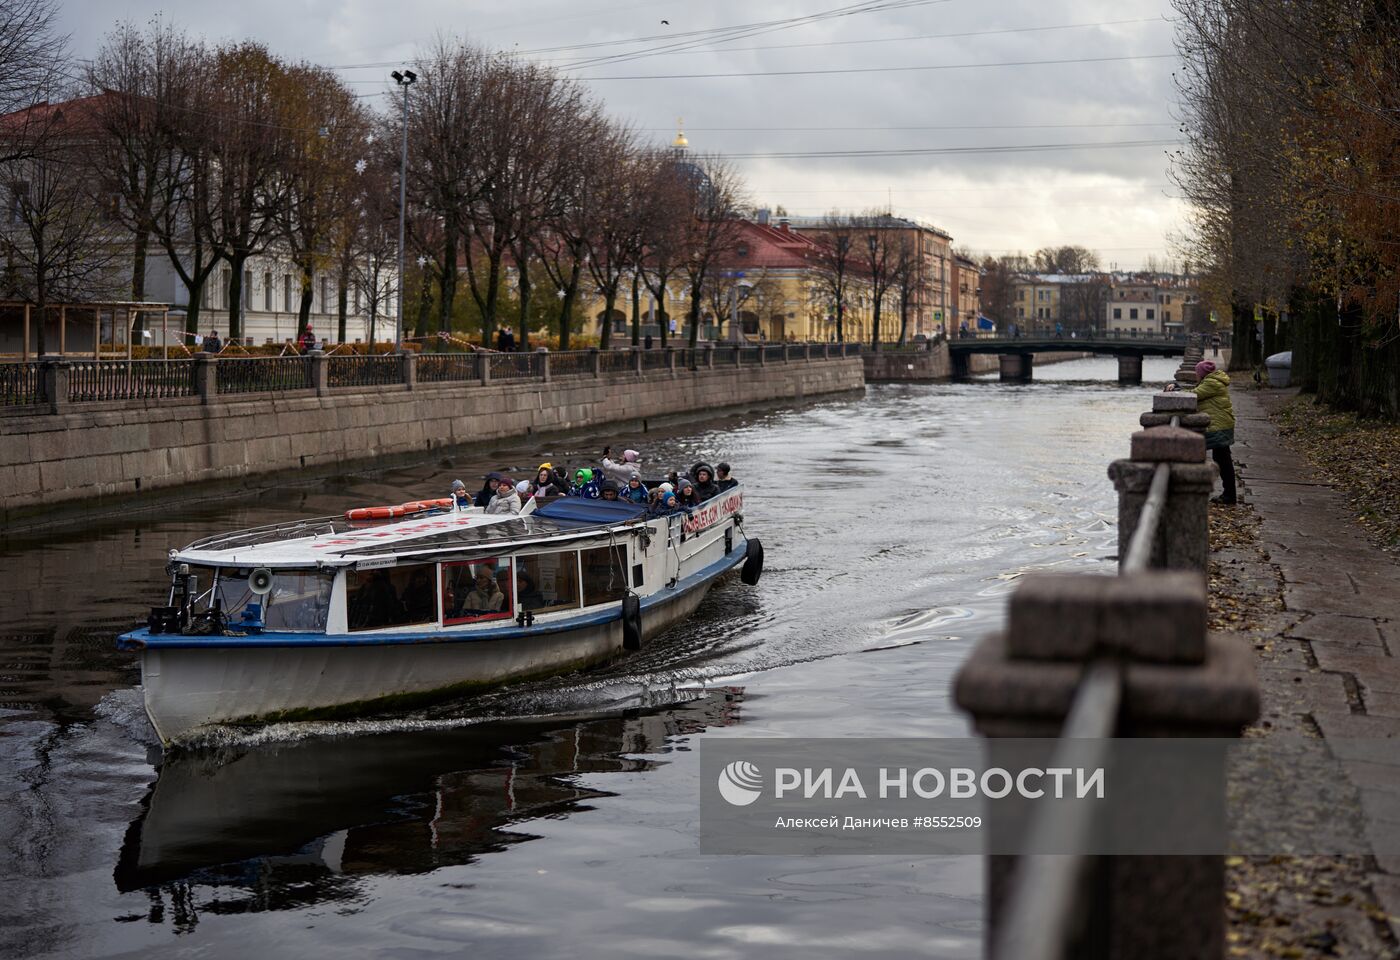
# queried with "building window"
point(1020, 313)
point(287, 293)
point(1166, 316)
point(267, 292)
point(247, 288)
point(1118, 313)
point(1151, 313)
point(325, 296)
point(1132, 315)
point(1020, 294)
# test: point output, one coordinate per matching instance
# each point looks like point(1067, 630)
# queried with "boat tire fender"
point(753, 562)
point(631, 622)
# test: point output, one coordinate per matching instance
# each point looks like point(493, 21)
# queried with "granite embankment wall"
point(935, 364)
point(94, 457)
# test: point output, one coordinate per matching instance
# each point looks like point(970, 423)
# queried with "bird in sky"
point(665, 23)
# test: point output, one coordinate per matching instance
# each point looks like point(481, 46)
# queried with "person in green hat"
point(585, 485)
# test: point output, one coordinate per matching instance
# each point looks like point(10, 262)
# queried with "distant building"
point(1155, 304)
point(965, 300)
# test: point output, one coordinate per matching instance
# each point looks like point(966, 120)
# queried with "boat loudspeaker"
point(631, 622)
point(753, 562)
point(260, 581)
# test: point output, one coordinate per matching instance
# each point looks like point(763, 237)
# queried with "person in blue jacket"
point(635, 491)
point(584, 485)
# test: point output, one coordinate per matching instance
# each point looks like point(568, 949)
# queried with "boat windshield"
point(299, 599)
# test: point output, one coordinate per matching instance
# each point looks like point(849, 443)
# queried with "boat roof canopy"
point(577, 511)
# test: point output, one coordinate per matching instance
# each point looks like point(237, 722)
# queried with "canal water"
point(557, 818)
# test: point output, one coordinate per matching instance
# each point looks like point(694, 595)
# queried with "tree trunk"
point(636, 311)
point(609, 302)
point(524, 286)
point(342, 307)
point(493, 292)
point(425, 308)
point(694, 333)
point(447, 282)
point(138, 271)
point(308, 279)
point(903, 320)
point(875, 325)
point(566, 306)
point(840, 322)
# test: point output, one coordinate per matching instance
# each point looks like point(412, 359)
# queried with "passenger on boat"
point(705, 486)
point(584, 485)
point(459, 494)
point(687, 495)
point(524, 490)
point(610, 490)
point(620, 470)
point(375, 604)
point(506, 499)
point(528, 596)
point(665, 505)
point(722, 478)
point(635, 491)
point(547, 485)
point(485, 596)
point(418, 600)
point(488, 489)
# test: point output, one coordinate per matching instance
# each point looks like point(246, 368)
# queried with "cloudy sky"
point(794, 79)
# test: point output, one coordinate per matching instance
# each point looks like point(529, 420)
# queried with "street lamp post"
point(404, 80)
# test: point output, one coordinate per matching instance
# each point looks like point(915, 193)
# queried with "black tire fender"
point(631, 622)
point(753, 562)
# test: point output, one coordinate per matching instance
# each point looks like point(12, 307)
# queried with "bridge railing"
point(1149, 668)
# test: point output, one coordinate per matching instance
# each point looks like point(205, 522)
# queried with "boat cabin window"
point(548, 581)
point(477, 590)
point(604, 574)
point(390, 597)
point(298, 599)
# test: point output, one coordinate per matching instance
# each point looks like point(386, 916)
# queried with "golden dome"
point(680, 142)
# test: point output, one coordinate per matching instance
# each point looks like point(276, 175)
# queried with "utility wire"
point(848, 70)
point(949, 151)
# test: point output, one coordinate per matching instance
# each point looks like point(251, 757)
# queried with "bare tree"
point(878, 253)
point(837, 263)
point(1066, 259)
point(31, 54)
point(664, 206)
point(612, 239)
point(58, 238)
point(711, 227)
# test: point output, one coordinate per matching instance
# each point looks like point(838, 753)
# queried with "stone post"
point(206, 384)
point(53, 380)
point(543, 354)
point(596, 361)
point(1182, 541)
point(763, 355)
point(320, 372)
point(485, 360)
point(637, 359)
point(408, 365)
point(671, 360)
point(709, 356)
point(1177, 681)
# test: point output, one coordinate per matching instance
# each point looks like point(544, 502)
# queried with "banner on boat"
point(712, 513)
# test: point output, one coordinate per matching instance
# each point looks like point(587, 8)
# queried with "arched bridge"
point(1017, 352)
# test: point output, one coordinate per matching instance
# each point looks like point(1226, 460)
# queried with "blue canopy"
point(581, 510)
point(985, 323)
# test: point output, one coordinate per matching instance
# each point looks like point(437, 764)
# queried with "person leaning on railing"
point(1212, 392)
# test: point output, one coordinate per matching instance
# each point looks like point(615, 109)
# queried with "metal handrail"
point(1041, 903)
point(1040, 907)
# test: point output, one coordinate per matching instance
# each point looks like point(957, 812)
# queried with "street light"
point(404, 80)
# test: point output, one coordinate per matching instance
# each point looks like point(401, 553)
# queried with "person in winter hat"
point(1212, 392)
point(635, 491)
point(620, 470)
point(705, 486)
point(506, 499)
point(584, 485)
point(460, 497)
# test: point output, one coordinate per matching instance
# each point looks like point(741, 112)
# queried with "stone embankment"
point(95, 456)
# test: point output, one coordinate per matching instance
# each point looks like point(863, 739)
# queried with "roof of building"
point(771, 247)
point(73, 114)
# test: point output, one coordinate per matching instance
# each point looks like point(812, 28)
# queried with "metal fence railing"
point(615, 361)
point(448, 367)
point(515, 366)
point(21, 384)
point(366, 371)
point(260, 374)
point(571, 363)
point(130, 379)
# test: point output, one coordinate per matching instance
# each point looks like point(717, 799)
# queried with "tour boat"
point(337, 616)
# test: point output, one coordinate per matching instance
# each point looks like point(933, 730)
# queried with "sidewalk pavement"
point(1332, 665)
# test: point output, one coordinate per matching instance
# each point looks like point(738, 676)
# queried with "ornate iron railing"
point(366, 371)
point(515, 366)
point(615, 361)
point(260, 374)
point(130, 379)
point(448, 367)
point(570, 363)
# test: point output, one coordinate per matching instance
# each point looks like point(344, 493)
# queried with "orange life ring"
point(401, 510)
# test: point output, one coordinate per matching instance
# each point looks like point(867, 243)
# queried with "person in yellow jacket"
point(1212, 391)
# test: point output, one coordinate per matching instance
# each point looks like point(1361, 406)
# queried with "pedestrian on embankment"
point(1212, 392)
